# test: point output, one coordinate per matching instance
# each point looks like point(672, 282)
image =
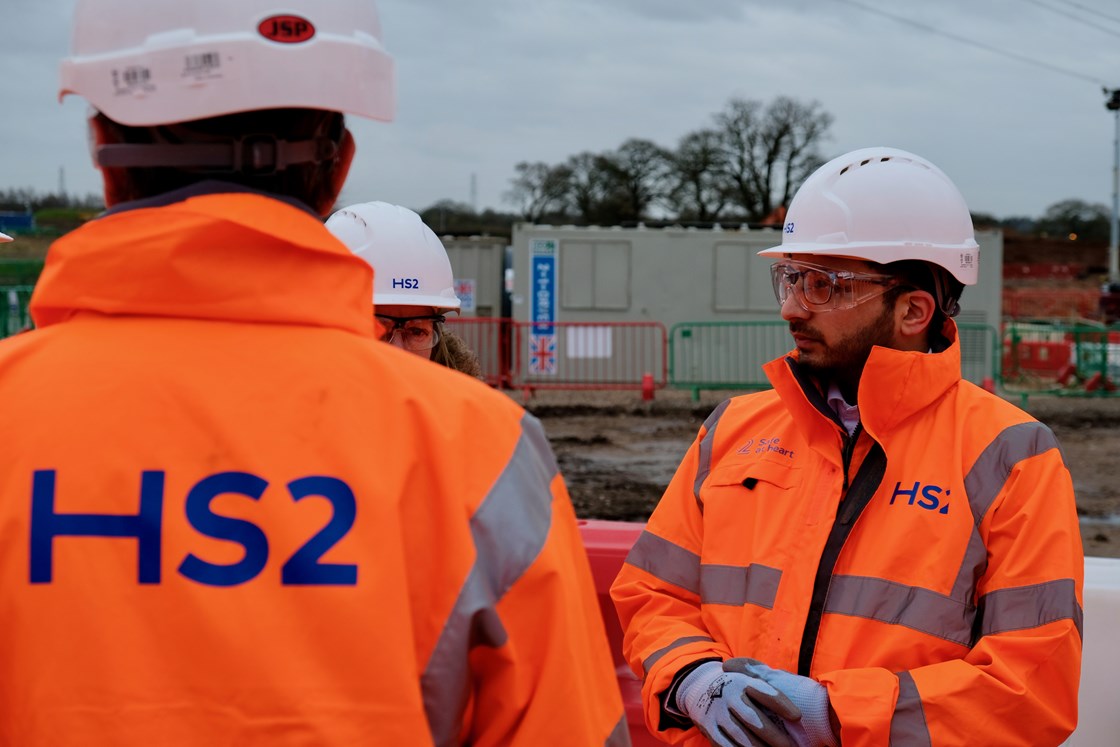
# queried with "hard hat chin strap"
point(250, 154)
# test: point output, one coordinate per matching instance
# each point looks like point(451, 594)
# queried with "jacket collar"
point(895, 384)
point(232, 254)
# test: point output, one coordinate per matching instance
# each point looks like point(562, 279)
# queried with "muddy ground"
point(618, 453)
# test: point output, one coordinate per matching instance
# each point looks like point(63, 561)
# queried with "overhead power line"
point(1071, 17)
point(1094, 11)
point(974, 43)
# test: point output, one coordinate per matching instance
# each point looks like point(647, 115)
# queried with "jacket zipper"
point(846, 451)
point(863, 487)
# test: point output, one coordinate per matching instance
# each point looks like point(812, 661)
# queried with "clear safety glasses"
point(415, 332)
point(817, 288)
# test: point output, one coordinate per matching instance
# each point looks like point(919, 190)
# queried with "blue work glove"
point(814, 728)
point(728, 707)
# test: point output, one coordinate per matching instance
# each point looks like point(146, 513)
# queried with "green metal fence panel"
point(724, 355)
point(14, 317)
point(730, 355)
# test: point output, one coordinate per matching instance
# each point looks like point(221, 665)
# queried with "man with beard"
point(875, 551)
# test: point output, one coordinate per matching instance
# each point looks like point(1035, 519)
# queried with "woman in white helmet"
point(413, 287)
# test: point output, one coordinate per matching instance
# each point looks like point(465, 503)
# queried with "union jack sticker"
point(542, 354)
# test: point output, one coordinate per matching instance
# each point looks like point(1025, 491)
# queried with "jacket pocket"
point(756, 474)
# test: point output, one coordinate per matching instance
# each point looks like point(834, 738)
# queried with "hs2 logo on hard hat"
point(286, 29)
point(931, 496)
point(789, 227)
point(407, 283)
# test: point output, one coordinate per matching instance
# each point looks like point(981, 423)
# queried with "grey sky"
point(487, 83)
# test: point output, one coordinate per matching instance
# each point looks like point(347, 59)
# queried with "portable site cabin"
point(478, 265)
point(707, 287)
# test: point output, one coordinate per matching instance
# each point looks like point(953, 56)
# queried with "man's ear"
point(345, 157)
point(914, 312)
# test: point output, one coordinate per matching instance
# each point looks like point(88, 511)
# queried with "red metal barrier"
point(489, 338)
point(607, 544)
point(589, 355)
point(567, 355)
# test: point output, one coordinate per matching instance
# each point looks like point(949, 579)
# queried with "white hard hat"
point(4, 237)
point(146, 63)
point(882, 205)
point(410, 265)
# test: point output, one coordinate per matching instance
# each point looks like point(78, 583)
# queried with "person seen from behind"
point(230, 514)
point(413, 285)
point(875, 551)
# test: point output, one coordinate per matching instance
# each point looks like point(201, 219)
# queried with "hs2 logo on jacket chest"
point(929, 497)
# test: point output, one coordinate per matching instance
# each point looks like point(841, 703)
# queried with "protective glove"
point(814, 728)
point(727, 707)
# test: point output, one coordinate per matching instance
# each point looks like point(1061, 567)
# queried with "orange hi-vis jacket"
point(230, 516)
point(928, 571)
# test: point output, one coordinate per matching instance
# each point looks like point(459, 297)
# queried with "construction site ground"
point(618, 452)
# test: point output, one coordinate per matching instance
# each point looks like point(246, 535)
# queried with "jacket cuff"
point(672, 717)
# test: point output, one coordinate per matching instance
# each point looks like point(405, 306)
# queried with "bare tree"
point(740, 128)
point(538, 190)
point(801, 127)
point(750, 163)
point(699, 185)
point(589, 186)
point(639, 169)
point(768, 151)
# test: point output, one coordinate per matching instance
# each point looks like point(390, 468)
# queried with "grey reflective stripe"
point(736, 585)
point(897, 604)
point(984, 482)
point(656, 655)
point(990, 471)
point(620, 734)
point(509, 529)
point(705, 465)
point(954, 620)
point(714, 584)
point(908, 725)
point(1028, 607)
point(667, 561)
point(974, 564)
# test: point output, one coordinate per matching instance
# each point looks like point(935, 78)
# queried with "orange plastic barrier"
point(1037, 357)
point(1048, 303)
point(607, 544)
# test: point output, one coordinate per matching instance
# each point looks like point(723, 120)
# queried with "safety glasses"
point(414, 332)
point(817, 288)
